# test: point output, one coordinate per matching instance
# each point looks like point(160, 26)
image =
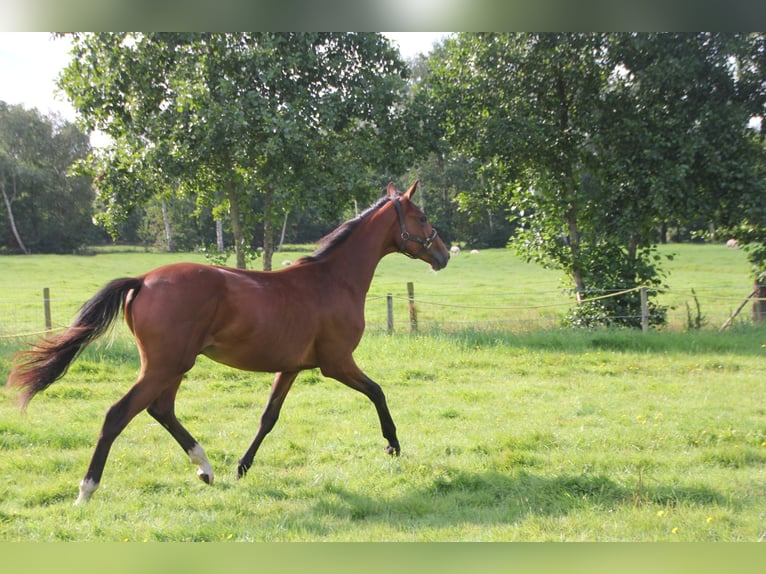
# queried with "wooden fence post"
point(644, 310)
point(47, 308)
point(759, 301)
point(730, 320)
point(390, 308)
point(413, 311)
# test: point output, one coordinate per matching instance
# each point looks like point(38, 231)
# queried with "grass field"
point(507, 434)
point(493, 290)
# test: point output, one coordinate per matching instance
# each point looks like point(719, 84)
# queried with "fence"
point(26, 316)
point(687, 309)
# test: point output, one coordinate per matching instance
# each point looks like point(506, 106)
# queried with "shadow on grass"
point(494, 498)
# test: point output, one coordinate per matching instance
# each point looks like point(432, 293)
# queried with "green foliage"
point(45, 208)
point(291, 118)
point(593, 141)
point(612, 270)
point(756, 253)
point(623, 310)
point(215, 257)
point(442, 193)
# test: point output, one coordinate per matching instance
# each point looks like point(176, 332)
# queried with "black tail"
point(38, 368)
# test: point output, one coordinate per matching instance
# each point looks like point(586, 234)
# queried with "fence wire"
point(23, 317)
point(686, 309)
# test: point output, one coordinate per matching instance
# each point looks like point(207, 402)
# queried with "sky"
point(413, 43)
point(31, 61)
point(29, 65)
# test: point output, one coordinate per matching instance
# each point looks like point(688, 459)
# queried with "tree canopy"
point(595, 140)
point(44, 207)
point(583, 150)
point(293, 118)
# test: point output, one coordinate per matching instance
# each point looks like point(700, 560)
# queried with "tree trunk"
point(268, 229)
point(574, 248)
point(14, 229)
point(633, 246)
point(236, 225)
point(166, 222)
point(570, 187)
point(219, 235)
point(284, 229)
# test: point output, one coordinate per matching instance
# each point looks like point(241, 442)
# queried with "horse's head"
point(416, 237)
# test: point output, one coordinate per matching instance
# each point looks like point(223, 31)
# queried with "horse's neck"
point(356, 259)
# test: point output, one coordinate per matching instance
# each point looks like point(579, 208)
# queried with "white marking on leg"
point(87, 488)
point(205, 470)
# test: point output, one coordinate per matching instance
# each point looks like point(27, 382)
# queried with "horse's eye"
point(423, 219)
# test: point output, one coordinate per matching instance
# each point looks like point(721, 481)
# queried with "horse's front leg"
point(353, 377)
point(279, 390)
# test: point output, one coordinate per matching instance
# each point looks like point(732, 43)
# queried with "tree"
point(449, 182)
point(520, 105)
point(675, 128)
point(46, 208)
point(744, 217)
point(291, 118)
point(447, 173)
point(592, 140)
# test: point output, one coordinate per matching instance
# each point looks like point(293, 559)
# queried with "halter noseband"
point(425, 242)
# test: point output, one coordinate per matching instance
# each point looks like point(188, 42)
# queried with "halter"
point(425, 242)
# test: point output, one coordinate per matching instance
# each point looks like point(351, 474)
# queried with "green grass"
point(558, 436)
point(506, 434)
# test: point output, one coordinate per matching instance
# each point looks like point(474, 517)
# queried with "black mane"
point(335, 238)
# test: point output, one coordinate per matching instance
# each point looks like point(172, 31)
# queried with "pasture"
point(511, 429)
point(494, 290)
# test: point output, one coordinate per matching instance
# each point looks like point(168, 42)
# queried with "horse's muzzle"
point(439, 260)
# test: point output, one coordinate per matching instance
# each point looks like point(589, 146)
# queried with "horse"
point(305, 316)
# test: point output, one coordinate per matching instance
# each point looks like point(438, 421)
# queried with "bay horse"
point(309, 315)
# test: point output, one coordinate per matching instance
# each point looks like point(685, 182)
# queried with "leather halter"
point(425, 242)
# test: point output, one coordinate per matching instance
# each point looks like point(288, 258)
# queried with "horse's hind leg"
point(279, 390)
point(117, 418)
point(163, 411)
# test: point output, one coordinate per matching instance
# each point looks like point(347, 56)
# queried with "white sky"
point(413, 43)
point(31, 61)
point(29, 65)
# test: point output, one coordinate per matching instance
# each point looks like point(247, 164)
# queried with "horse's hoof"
point(204, 477)
point(87, 488)
point(392, 450)
point(241, 471)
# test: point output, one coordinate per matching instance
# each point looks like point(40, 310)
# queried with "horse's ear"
point(391, 190)
point(411, 191)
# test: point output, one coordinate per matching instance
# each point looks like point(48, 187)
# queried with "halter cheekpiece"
point(425, 242)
